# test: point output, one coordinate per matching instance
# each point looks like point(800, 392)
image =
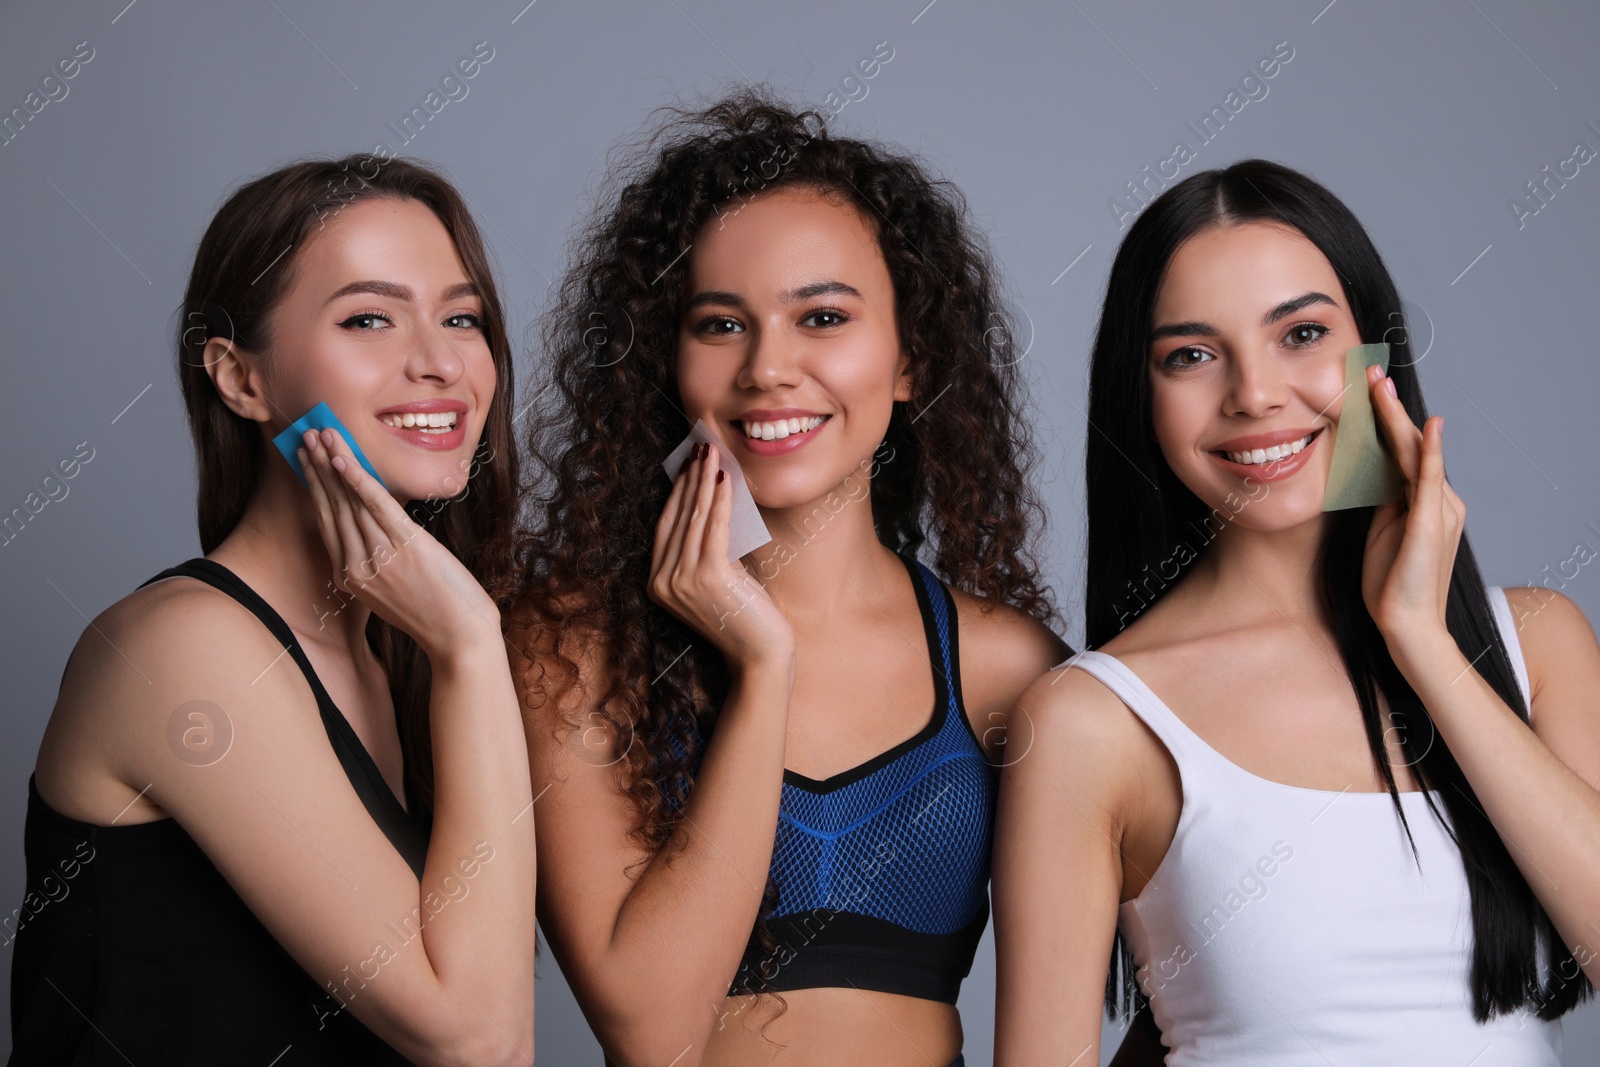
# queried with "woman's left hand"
point(1411, 545)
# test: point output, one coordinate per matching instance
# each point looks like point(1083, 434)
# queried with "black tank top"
point(130, 946)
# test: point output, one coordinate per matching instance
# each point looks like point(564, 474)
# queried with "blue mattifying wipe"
point(318, 418)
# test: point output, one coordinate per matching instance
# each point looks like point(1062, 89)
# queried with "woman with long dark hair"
point(1324, 796)
point(765, 787)
point(277, 812)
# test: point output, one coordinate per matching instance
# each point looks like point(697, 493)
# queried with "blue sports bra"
point(883, 870)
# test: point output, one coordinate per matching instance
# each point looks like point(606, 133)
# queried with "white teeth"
point(777, 431)
point(425, 421)
point(1270, 455)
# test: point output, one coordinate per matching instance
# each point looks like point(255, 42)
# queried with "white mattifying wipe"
point(746, 531)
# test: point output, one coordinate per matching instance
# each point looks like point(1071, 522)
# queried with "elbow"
point(650, 1032)
point(644, 1044)
point(477, 1042)
point(494, 1050)
point(486, 1049)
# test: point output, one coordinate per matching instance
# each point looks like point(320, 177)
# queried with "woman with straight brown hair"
point(264, 797)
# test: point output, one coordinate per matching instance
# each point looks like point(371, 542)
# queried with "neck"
point(1274, 570)
point(277, 550)
point(825, 555)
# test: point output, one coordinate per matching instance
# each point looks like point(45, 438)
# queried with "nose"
point(1257, 385)
point(435, 359)
point(771, 360)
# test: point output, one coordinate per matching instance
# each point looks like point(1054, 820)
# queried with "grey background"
point(1425, 117)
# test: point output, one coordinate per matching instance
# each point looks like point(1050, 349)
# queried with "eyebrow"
point(396, 291)
point(805, 292)
point(1205, 329)
point(1289, 307)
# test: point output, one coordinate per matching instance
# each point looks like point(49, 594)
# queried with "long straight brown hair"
point(242, 269)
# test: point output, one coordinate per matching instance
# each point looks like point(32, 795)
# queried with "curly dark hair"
point(952, 470)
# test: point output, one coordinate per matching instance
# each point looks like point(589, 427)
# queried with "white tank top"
point(1291, 926)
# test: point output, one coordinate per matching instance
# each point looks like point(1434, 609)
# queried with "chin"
point(1264, 507)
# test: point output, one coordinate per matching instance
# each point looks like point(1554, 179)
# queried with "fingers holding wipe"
point(717, 523)
point(747, 531)
point(374, 504)
point(345, 509)
point(317, 419)
point(687, 491)
point(699, 517)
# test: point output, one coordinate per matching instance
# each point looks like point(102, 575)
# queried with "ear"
point(238, 380)
point(902, 378)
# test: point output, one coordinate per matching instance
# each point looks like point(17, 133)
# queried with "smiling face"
point(382, 323)
point(787, 343)
point(1246, 367)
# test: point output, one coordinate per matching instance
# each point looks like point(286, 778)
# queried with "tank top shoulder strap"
point(407, 830)
point(221, 578)
point(1185, 745)
point(1506, 620)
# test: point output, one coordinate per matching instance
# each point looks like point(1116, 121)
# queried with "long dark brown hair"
point(1151, 529)
point(951, 473)
point(242, 269)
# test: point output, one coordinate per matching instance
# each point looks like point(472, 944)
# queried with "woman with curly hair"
point(776, 776)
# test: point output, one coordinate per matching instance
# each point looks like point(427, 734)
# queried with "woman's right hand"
point(382, 557)
point(692, 576)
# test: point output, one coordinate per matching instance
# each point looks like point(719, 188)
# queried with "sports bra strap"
point(939, 598)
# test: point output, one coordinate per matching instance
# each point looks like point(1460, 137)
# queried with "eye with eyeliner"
point(476, 321)
point(349, 323)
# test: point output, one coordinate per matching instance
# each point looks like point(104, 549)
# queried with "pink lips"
point(1272, 470)
point(432, 442)
point(782, 446)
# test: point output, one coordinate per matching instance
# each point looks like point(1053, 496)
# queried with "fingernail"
point(1388, 385)
point(310, 438)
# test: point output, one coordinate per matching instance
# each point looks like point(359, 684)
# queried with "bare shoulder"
point(1555, 635)
point(1563, 659)
point(1003, 649)
point(1074, 714)
point(139, 662)
point(1070, 729)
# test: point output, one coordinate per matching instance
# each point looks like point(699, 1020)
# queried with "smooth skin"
point(1091, 811)
point(789, 304)
point(276, 813)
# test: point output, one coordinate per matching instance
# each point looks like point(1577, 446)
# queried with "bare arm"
point(1540, 787)
point(1058, 870)
point(441, 970)
point(651, 951)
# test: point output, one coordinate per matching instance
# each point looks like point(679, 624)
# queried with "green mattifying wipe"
point(1362, 473)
